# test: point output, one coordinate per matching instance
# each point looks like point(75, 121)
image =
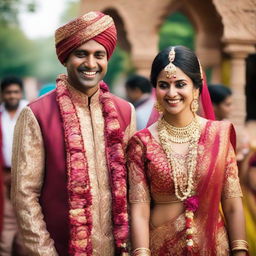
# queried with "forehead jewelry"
point(170, 69)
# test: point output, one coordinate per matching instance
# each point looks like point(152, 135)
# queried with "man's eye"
point(100, 55)
point(80, 54)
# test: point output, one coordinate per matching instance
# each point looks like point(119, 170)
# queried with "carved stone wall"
point(222, 28)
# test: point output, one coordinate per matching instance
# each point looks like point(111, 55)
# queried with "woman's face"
point(175, 94)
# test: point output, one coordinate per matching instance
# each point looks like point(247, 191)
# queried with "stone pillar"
point(238, 54)
point(216, 74)
point(142, 63)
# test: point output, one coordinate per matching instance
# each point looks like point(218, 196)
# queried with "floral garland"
point(191, 205)
point(79, 188)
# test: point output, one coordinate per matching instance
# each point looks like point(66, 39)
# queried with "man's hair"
point(140, 82)
point(218, 93)
point(7, 81)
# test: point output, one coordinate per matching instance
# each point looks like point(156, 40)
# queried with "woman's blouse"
point(150, 174)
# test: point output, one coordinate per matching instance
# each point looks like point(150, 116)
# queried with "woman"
point(181, 168)
point(221, 97)
point(248, 182)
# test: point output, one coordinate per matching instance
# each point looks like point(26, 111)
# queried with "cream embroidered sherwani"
point(28, 175)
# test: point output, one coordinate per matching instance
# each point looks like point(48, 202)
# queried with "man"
point(12, 104)
point(221, 97)
point(69, 170)
point(138, 91)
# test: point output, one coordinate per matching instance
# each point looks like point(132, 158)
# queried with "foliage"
point(71, 11)
point(47, 65)
point(15, 54)
point(177, 30)
point(118, 63)
point(23, 57)
point(9, 10)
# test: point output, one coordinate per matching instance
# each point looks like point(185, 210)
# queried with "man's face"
point(86, 66)
point(11, 96)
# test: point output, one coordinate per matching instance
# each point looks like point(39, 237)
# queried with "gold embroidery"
point(92, 127)
point(27, 178)
point(84, 24)
point(139, 190)
point(232, 186)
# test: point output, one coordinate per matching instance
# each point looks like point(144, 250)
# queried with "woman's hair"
point(218, 93)
point(185, 59)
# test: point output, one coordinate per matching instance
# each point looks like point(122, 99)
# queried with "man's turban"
point(92, 25)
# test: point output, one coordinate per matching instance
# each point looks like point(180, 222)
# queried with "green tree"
point(177, 30)
point(71, 11)
point(16, 55)
point(119, 63)
point(9, 10)
point(46, 65)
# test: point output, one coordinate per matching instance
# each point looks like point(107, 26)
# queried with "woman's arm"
point(234, 215)
point(232, 204)
point(139, 197)
point(140, 213)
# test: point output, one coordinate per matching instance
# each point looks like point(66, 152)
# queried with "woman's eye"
point(180, 84)
point(163, 86)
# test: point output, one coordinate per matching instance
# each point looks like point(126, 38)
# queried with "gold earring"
point(158, 107)
point(194, 105)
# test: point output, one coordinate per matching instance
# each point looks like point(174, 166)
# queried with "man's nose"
point(90, 62)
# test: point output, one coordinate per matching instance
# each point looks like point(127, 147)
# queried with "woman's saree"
point(216, 178)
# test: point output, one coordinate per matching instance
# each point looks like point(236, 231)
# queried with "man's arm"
point(27, 179)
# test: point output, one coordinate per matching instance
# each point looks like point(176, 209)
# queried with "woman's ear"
point(196, 93)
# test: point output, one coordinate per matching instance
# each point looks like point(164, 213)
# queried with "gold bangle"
point(141, 252)
point(239, 245)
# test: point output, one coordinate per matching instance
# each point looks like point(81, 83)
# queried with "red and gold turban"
point(92, 25)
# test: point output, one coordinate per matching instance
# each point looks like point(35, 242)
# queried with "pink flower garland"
point(117, 166)
point(191, 205)
point(80, 197)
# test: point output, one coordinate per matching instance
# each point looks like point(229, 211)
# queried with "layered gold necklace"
point(169, 134)
point(180, 134)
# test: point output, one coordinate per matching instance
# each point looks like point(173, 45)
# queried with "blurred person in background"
point(138, 92)
point(221, 97)
point(12, 105)
point(248, 181)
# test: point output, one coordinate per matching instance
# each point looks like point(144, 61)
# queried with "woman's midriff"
point(164, 212)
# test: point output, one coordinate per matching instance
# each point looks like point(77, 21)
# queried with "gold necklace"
point(182, 192)
point(180, 134)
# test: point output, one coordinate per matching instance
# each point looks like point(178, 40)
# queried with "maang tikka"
point(170, 69)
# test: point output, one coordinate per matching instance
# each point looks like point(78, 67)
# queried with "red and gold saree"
point(216, 178)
